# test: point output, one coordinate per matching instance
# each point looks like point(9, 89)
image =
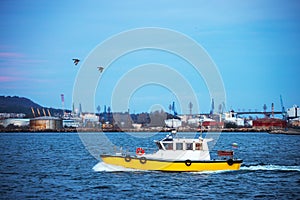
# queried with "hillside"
point(16, 104)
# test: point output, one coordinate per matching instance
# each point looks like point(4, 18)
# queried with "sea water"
point(59, 166)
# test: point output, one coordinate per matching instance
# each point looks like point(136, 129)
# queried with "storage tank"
point(46, 123)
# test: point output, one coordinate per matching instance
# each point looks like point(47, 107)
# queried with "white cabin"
point(181, 149)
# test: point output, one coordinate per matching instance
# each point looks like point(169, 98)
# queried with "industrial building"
point(268, 123)
point(46, 123)
point(173, 123)
point(71, 123)
point(293, 112)
point(14, 121)
point(230, 117)
point(212, 124)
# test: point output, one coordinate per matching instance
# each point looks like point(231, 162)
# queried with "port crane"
point(212, 107)
point(282, 108)
point(173, 109)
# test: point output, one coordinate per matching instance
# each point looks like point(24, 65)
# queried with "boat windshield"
point(179, 146)
point(168, 146)
point(158, 145)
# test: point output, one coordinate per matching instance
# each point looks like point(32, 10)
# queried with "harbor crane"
point(173, 109)
point(190, 107)
point(282, 108)
point(212, 107)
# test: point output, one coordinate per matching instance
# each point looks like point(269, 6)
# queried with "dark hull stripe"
point(177, 161)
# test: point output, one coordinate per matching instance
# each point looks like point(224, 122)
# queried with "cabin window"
point(198, 146)
point(158, 145)
point(168, 146)
point(179, 146)
point(189, 146)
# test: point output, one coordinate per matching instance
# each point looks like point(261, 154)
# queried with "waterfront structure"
point(15, 122)
point(209, 123)
point(122, 120)
point(90, 120)
point(230, 117)
point(268, 123)
point(194, 122)
point(46, 123)
point(12, 115)
point(212, 124)
point(293, 112)
point(203, 121)
point(295, 122)
point(184, 118)
point(71, 123)
point(137, 126)
point(173, 123)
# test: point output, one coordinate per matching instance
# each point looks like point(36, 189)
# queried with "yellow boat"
point(175, 155)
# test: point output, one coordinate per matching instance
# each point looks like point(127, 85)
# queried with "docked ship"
point(175, 154)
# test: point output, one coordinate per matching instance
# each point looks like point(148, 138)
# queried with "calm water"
point(58, 166)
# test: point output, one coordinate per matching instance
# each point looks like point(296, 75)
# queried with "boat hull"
point(142, 163)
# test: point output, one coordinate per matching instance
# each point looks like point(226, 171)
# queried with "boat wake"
point(270, 168)
point(103, 167)
point(210, 172)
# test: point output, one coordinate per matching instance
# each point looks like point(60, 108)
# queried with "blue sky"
point(255, 45)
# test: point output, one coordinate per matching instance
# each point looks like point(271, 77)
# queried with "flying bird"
point(100, 69)
point(76, 61)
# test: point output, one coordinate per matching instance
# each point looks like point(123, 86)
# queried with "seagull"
point(100, 69)
point(76, 61)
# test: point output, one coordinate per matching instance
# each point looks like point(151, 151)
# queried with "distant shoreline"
point(292, 131)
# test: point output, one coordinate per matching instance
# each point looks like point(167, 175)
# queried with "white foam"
point(270, 168)
point(103, 167)
point(211, 172)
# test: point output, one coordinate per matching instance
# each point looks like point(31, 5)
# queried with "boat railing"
point(140, 151)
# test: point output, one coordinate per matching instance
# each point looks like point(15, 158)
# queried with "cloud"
point(15, 58)
point(9, 81)
point(10, 55)
point(8, 78)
